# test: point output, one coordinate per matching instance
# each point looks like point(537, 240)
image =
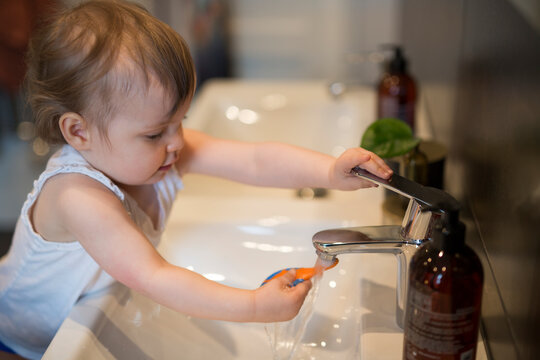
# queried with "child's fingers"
point(303, 286)
point(278, 300)
point(375, 165)
point(289, 276)
point(289, 279)
point(383, 166)
point(366, 160)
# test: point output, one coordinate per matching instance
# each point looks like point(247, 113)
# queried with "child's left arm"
point(276, 164)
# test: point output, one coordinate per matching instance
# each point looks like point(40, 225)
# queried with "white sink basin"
point(242, 249)
point(299, 113)
point(238, 235)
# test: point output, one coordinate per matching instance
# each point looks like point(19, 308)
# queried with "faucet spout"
point(372, 239)
point(377, 239)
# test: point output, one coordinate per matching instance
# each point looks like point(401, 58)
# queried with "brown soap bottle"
point(396, 92)
point(444, 295)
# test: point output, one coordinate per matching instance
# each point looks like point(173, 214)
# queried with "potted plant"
point(393, 140)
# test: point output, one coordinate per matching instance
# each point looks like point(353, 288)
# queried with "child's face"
point(144, 139)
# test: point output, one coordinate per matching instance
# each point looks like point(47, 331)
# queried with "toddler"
point(112, 84)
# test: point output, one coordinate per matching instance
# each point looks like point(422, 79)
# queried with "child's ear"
point(75, 129)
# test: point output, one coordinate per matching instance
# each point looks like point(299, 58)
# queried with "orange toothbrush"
point(302, 274)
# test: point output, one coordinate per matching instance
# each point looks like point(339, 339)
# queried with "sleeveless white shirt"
point(41, 280)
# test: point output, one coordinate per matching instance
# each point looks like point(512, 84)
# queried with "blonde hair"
point(76, 63)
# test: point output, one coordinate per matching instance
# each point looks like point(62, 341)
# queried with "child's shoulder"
point(71, 184)
point(64, 200)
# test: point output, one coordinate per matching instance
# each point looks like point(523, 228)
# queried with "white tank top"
point(40, 280)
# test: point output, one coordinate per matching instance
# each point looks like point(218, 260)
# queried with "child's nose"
point(176, 142)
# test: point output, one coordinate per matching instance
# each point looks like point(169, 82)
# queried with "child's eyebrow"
point(165, 120)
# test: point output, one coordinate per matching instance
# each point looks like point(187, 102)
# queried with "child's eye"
point(154, 136)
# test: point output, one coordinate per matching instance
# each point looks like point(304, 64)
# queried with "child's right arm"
point(75, 207)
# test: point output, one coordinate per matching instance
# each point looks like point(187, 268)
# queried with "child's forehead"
point(134, 81)
point(135, 75)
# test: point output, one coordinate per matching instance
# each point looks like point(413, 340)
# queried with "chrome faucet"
point(401, 241)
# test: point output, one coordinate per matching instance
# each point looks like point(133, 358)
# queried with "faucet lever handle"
point(424, 195)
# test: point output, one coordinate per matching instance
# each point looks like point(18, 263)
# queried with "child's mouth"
point(165, 167)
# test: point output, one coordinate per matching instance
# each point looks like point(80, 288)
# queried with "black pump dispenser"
point(398, 64)
point(449, 232)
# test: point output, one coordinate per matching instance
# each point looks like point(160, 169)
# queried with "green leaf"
point(389, 137)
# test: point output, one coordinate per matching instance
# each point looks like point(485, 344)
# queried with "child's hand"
point(340, 173)
point(277, 301)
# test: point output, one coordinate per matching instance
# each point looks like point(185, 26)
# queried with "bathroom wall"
point(335, 40)
point(328, 39)
point(478, 64)
point(322, 39)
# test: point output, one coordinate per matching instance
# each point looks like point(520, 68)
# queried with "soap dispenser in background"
point(396, 91)
point(444, 294)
